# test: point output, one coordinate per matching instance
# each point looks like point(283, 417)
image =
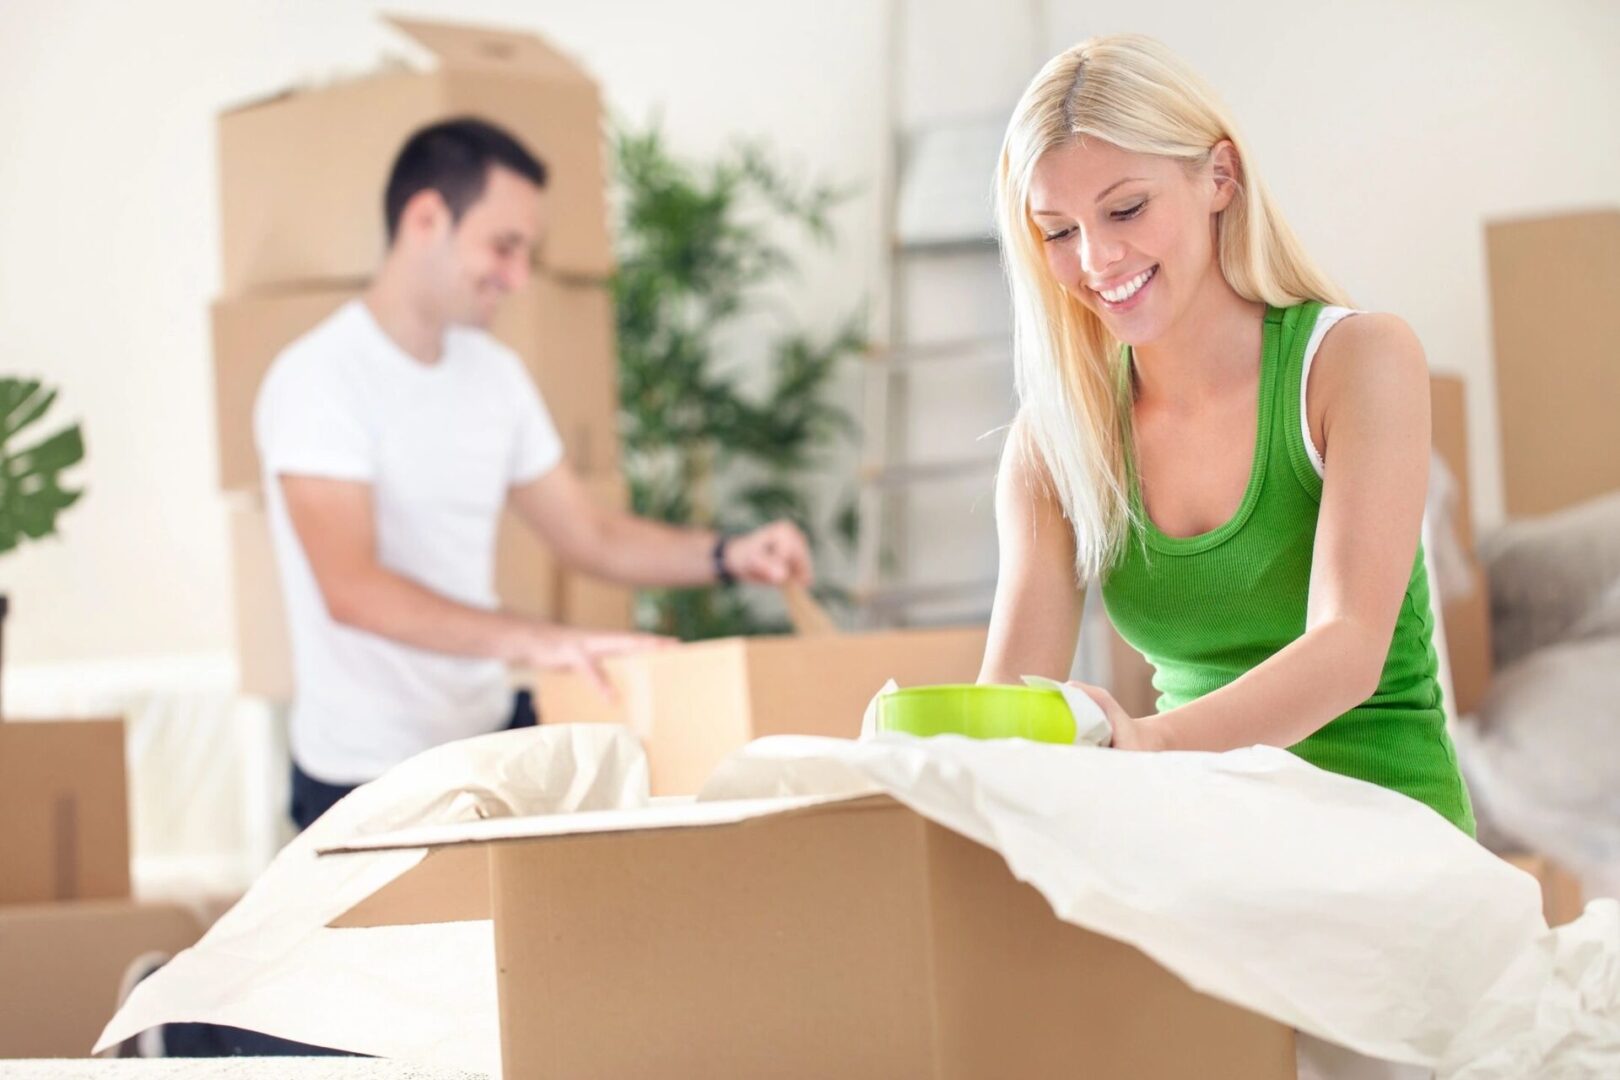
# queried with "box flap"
point(449, 885)
point(460, 46)
point(674, 813)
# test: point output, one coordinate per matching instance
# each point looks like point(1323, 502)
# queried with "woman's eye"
point(1127, 214)
point(1060, 234)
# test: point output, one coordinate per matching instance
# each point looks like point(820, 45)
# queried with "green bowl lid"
point(979, 712)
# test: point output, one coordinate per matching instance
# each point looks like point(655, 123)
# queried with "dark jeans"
point(310, 799)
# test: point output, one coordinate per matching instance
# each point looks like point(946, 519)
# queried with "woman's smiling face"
point(1131, 235)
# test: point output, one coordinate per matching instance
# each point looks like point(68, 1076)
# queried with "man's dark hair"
point(453, 157)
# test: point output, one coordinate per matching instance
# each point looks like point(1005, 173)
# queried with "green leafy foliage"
point(31, 489)
point(699, 245)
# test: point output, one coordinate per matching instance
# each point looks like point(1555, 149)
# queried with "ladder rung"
point(968, 352)
point(947, 245)
point(895, 596)
point(928, 471)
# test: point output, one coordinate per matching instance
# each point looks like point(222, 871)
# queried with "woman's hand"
point(1129, 733)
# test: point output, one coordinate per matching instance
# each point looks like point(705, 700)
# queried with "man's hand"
point(775, 554)
point(561, 648)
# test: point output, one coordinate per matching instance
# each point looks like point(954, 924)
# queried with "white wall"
point(1388, 130)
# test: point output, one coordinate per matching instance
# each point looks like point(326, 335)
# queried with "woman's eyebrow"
point(1100, 197)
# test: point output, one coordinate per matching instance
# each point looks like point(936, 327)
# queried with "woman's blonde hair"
point(1075, 406)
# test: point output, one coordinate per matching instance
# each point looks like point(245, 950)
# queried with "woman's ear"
point(1227, 172)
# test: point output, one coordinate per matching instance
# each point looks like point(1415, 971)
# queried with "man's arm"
point(610, 543)
point(336, 526)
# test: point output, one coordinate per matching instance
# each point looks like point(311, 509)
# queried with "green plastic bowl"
point(979, 712)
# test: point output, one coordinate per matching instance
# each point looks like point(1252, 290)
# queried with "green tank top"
point(1205, 609)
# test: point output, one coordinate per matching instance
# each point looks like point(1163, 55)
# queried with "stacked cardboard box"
point(302, 176)
point(69, 929)
point(1554, 281)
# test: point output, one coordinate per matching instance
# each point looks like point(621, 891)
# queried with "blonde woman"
point(1209, 435)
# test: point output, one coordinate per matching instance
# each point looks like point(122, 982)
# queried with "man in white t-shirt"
point(391, 438)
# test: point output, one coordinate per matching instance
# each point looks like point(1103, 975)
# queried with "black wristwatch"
point(722, 575)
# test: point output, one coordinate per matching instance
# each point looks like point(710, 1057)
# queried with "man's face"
point(490, 251)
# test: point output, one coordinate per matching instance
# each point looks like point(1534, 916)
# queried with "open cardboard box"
point(563, 332)
point(799, 937)
point(302, 172)
point(528, 579)
point(692, 705)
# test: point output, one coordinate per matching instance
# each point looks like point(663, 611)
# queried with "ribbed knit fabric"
point(1205, 609)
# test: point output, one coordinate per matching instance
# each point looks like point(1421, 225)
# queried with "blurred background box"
point(528, 580)
point(64, 965)
point(1555, 284)
point(562, 331)
point(64, 811)
point(302, 172)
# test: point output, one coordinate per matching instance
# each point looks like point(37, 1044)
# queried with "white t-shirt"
point(440, 444)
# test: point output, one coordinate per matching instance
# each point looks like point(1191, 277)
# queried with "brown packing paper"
point(694, 704)
point(562, 332)
point(64, 963)
point(64, 811)
point(302, 173)
point(1557, 362)
point(809, 618)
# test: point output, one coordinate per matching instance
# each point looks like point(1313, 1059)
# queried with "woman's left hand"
point(1129, 733)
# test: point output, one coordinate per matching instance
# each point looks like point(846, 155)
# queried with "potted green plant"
point(31, 488)
point(704, 444)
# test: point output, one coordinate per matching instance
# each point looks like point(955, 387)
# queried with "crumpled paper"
point(1353, 913)
point(420, 993)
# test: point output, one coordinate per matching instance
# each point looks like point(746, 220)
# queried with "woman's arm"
point(1372, 382)
point(1036, 619)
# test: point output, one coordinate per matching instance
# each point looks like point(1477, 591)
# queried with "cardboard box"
point(694, 704)
point(64, 964)
point(1467, 620)
point(1561, 895)
point(302, 173)
point(563, 332)
point(64, 812)
point(263, 649)
point(528, 580)
point(885, 945)
point(1557, 356)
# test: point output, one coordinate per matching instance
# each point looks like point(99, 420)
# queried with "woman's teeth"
point(1121, 293)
